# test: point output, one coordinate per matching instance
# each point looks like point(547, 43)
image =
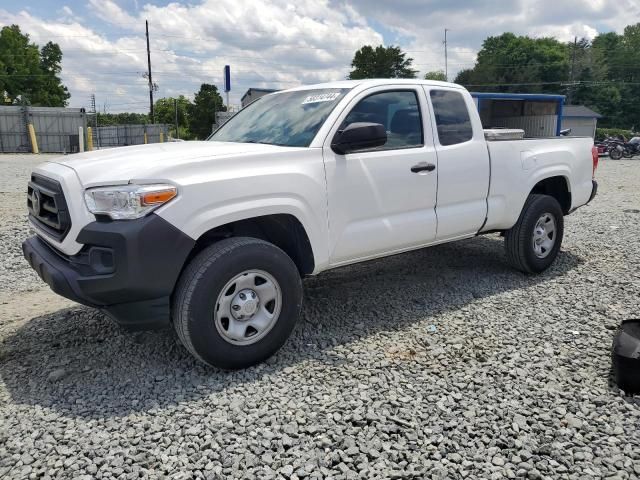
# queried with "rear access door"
point(463, 162)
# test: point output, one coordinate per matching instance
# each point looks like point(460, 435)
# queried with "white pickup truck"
point(215, 236)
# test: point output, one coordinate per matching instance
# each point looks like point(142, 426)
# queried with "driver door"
point(382, 200)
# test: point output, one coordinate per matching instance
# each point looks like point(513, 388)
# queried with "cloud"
point(286, 44)
point(280, 43)
point(110, 12)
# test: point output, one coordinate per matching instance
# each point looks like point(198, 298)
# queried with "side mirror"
point(359, 136)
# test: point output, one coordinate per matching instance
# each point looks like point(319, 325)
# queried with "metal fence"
point(13, 130)
point(56, 128)
point(123, 135)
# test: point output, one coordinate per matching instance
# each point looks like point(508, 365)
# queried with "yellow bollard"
point(145, 138)
point(161, 137)
point(34, 140)
point(89, 139)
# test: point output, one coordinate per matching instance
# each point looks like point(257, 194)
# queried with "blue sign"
point(227, 78)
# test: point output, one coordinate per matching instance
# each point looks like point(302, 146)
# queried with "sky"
point(277, 43)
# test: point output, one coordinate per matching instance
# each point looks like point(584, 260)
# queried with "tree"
point(436, 75)
point(381, 62)
point(202, 113)
point(27, 74)
point(165, 112)
point(603, 74)
point(510, 63)
point(125, 118)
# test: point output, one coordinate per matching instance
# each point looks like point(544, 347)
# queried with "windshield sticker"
point(321, 97)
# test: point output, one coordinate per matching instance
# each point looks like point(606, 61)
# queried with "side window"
point(452, 117)
point(398, 111)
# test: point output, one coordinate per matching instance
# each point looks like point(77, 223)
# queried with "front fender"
point(196, 222)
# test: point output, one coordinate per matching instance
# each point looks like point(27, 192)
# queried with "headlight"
point(126, 202)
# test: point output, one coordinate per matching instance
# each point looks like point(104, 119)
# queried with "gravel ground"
point(441, 363)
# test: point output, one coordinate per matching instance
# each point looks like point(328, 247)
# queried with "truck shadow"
point(106, 372)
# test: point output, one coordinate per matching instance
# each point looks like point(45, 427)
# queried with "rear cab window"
point(451, 116)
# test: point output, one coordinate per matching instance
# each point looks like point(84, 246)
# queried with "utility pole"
point(573, 67)
point(95, 116)
point(446, 60)
point(153, 119)
point(175, 105)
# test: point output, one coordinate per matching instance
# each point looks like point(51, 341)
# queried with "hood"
point(147, 162)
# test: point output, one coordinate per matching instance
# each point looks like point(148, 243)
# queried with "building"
point(581, 120)
point(253, 94)
point(539, 115)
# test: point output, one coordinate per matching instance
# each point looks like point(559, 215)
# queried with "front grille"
point(47, 206)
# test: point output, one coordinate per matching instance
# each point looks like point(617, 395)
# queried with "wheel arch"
point(284, 230)
point(556, 186)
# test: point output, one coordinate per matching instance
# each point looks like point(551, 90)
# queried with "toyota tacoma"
point(213, 237)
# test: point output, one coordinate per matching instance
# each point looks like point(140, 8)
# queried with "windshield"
point(290, 119)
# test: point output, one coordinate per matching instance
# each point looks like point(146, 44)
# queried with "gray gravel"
point(442, 363)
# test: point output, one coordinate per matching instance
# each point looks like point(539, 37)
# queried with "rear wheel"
point(237, 302)
point(532, 244)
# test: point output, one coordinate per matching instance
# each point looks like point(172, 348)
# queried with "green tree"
point(510, 63)
point(464, 77)
point(381, 62)
point(607, 77)
point(27, 74)
point(603, 74)
point(436, 75)
point(126, 118)
point(202, 112)
point(165, 112)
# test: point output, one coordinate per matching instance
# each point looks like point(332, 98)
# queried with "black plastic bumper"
point(594, 190)
point(128, 268)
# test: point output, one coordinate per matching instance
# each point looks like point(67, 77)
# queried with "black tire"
point(196, 297)
point(615, 154)
point(627, 153)
point(519, 240)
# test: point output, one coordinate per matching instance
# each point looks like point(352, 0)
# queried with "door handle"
point(423, 167)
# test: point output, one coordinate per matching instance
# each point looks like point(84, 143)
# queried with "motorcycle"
point(613, 146)
point(632, 147)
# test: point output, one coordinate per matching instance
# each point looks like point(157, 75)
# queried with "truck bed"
point(518, 165)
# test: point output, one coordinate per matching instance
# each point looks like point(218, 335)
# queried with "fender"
point(215, 215)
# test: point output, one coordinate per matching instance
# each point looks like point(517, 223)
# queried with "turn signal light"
point(158, 197)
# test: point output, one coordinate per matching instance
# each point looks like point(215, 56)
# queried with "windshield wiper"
point(266, 143)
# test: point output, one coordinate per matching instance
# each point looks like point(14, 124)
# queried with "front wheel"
point(615, 154)
point(237, 302)
point(532, 244)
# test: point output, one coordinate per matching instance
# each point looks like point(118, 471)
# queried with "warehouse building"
point(253, 94)
point(581, 120)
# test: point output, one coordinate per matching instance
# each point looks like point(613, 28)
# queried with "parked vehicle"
point(632, 147)
point(612, 146)
point(214, 237)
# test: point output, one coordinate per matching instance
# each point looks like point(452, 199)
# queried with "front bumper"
point(128, 268)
